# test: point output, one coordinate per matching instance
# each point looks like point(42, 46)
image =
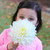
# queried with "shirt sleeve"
point(39, 46)
point(3, 40)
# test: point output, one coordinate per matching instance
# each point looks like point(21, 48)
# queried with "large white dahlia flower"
point(22, 32)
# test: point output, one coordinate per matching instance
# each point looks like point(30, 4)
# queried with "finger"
point(10, 44)
point(16, 44)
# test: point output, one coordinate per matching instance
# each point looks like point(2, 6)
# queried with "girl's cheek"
point(17, 19)
point(34, 23)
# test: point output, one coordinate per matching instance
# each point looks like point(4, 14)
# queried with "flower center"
point(23, 32)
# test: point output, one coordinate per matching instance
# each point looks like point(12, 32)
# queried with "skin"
point(12, 46)
point(28, 14)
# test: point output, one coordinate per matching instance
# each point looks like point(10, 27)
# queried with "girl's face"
point(28, 14)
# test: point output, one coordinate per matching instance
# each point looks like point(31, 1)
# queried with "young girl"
point(26, 10)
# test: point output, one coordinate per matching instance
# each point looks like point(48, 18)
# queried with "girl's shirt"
point(5, 39)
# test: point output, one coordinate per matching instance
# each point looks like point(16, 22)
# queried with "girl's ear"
point(37, 23)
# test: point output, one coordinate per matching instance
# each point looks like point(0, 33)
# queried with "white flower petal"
point(22, 32)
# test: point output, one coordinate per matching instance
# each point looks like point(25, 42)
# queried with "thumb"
point(11, 43)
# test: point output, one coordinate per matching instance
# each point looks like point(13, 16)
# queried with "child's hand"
point(12, 46)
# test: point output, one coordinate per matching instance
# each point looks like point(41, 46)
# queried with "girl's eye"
point(31, 19)
point(21, 17)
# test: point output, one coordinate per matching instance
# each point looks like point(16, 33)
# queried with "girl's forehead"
point(26, 11)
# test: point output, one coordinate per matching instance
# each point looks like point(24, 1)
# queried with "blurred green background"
point(8, 8)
